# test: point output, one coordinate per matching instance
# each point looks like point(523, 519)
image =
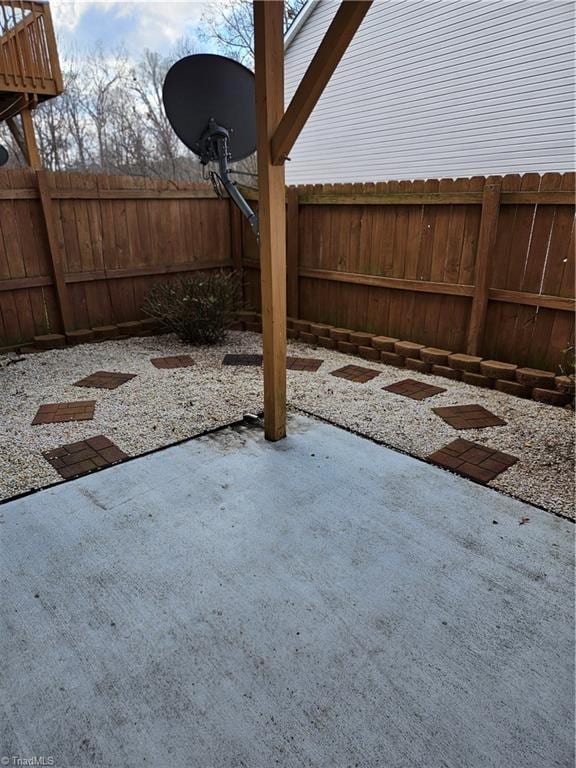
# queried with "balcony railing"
point(28, 54)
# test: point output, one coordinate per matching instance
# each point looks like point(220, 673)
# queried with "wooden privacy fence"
point(81, 250)
point(478, 265)
point(483, 265)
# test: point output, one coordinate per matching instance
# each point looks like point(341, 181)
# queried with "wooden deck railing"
point(28, 54)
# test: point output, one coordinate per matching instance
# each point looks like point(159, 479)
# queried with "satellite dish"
point(206, 87)
point(4, 156)
point(210, 104)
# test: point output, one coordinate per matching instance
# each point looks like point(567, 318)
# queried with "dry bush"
point(198, 309)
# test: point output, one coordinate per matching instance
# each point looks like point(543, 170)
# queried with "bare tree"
point(111, 118)
point(230, 25)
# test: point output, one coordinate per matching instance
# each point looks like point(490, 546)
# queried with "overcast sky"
point(135, 24)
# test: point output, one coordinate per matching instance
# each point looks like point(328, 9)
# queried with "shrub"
point(198, 309)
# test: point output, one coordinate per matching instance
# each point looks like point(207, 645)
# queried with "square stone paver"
point(242, 360)
point(417, 390)
point(355, 373)
point(52, 413)
point(175, 361)
point(105, 380)
point(468, 417)
point(303, 363)
point(85, 456)
point(477, 462)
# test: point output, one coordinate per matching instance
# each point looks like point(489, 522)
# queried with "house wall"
point(439, 89)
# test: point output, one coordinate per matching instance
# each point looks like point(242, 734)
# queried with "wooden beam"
point(32, 154)
point(563, 303)
point(391, 198)
point(153, 271)
point(269, 71)
point(134, 194)
point(348, 18)
point(397, 283)
point(543, 197)
point(21, 283)
point(54, 250)
point(486, 241)
point(26, 193)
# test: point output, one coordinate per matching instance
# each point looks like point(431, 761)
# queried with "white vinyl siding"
point(439, 88)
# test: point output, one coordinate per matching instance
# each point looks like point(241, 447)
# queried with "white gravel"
point(160, 407)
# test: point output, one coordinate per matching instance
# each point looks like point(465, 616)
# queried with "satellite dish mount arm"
point(213, 147)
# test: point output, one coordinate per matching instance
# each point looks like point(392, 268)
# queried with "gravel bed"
point(160, 407)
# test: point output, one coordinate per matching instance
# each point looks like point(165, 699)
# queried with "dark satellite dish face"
point(4, 156)
point(203, 87)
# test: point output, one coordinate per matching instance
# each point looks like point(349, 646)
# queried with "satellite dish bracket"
point(213, 148)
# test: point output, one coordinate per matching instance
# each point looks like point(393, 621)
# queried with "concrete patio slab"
point(321, 601)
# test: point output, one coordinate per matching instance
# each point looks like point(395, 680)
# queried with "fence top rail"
point(559, 197)
point(92, 186)
point(546, 189)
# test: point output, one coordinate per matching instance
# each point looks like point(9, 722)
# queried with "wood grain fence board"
point(89, 243)
point(537, 326)
point(471, 234)
point(514, 322)
point(424, 310)
point(137, 252)
point(74, 232)
point(407, 197)
point(455, 236)
point(435, 318)
point(396, 258)
point(28, 256)
point(559, 268)
point(543, 225)
point(381, 223)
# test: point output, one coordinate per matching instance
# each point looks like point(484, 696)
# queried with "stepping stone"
point(176, 361)
point(242, 360)
point(105, 380)
point(468, 417)
point(85, 456)
point(355, 373)
point(417, 390)
point(477, 462)
point(303, 363)
point(52, 413)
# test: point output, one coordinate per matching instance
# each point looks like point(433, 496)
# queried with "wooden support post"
point(336, 40)
point(54, 249)
point(32, 154)
point(292, 243)
point(486, 242)
point(269, 71)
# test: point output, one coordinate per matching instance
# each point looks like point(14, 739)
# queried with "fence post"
point(292, 237)
point(48, 213)
point(486, 242)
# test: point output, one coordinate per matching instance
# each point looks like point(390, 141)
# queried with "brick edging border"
point(542, 386)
